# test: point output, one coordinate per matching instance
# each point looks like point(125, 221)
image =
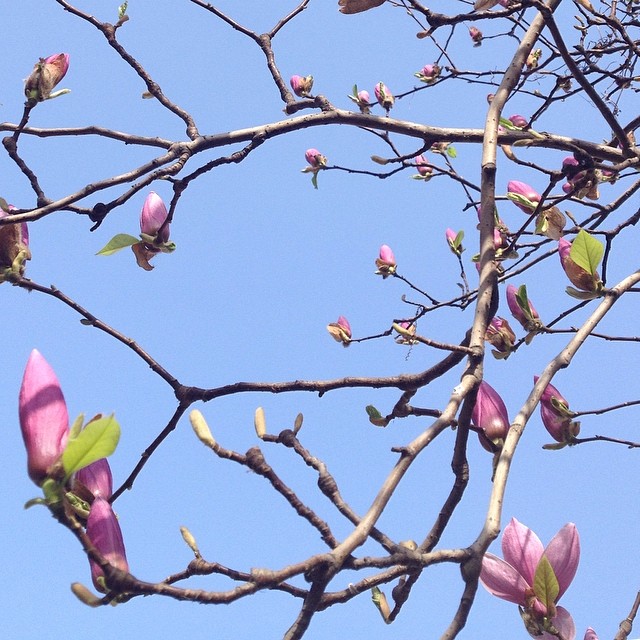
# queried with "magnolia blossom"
point(490, 415)
point(406, 337)
point(384, 96)
point(528, 318)
point(104, 532)
point(315, 159)
point(340, 331)
point(451, 237)
point(44, 419)
point(386, 262)
point(46, 74)
point(476, 36)
point(96, 478)
point(152, 218)
point(500, 334)
point(425, 168)
point(523, 196)
point(519, 121)
point(514, 578)
point(556, 416)
point(362, 99)
point(429, 73)
point(590, 634)
point(578, 276)
point(301, 85)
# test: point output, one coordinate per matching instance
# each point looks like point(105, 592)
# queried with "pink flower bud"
point(97, 478)
point(556, 416)
point(425, 169)
point(476, 36)
point(523, 196)
point(490, 415)
point(152, 218)
point(590, 634)
point(451, 237)
point(384, 96)
point(570, 166)
point(46, 74)
point(340, 331)
point(315, 159)
point(519, 121)
point(386, 262)
point(500, 334)
point(429, 73)
point(43, 417)
point(301, 85)
point(104, 532)
point(578, 276)
point(526, 317)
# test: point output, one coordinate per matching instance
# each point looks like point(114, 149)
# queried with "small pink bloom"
point(386, 262)
point(512, 579)
point(153, 216)
point(340, 331)
point(528, 318)
point(46, 74)
point(97, 478)
point(476, 36)
point(519, 121)
point(490, 415)
point(523, 196)
point(43, 417)
point(315, 159)
point(301, 85)
point(384, 96)
point(104, 532)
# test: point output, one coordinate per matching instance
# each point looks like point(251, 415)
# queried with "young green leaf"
point(119, 241)
point(545, 583)
point(97, 440)
point(586, 252)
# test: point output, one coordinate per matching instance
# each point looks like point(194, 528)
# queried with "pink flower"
point(519, 121)
point(490, 415)
point(500, 334)
point(301, 85)
point(513, 579)
point(104, 532)
point(340, 331)
point(315, 159)
point(384, 96)
point(556, 416)
point(46, 74)
point(528, 318)
point(590, 634)
point(425, 169)
point(523, 196)
point(386, 262)
point(578, 276)
point(43, 417)
point(152, 218)
point(429, 73)
point(97, 478)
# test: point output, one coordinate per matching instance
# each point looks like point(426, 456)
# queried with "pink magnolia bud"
point(590, 634)
point(340, 331)
point(315, 159)
point(570, 166)
point(523, 196)
point(500, 334)
point(97, 478)
point(556, 416)
point(152, 218)
point(490, 415)
point(14, 243)
point(578, 276)
point(104, 532)
point(475, 35)
point(46, 74)
point(301, 85)
point(429, 73)
point(425, 169)
point(519, 121)
point(407, 338)
point(384, 96)
point(526, 317)
point(451, 237)
point(386, 262)
point(43, 417)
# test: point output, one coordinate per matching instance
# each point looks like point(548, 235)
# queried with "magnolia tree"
point(507, 280)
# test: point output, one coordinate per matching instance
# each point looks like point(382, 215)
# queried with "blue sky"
point(263, 263)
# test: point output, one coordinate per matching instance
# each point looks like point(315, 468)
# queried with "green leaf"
point(314, 180)
point(76, 427)
point(545, 583)
point(586, 252)
point(582, 295)
point(3, 205)
point(372, 412)
point(451, 151)
point(97, 440)
point(380, 600)
point(459, 238)
point(119, 241)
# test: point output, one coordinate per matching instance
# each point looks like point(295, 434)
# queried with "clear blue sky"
point(263, 263)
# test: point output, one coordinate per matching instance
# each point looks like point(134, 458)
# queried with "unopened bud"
point(297, 425)
point(260, 423)
point(201, 428)
point(187, 536)
point(85, 595)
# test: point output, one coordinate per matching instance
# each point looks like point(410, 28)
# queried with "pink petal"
point(522, 549)
point(500, 579)
point(563, 552)
point(564, 623)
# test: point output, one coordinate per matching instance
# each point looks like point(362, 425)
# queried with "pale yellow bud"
point(260, 423)
point(201, 428)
